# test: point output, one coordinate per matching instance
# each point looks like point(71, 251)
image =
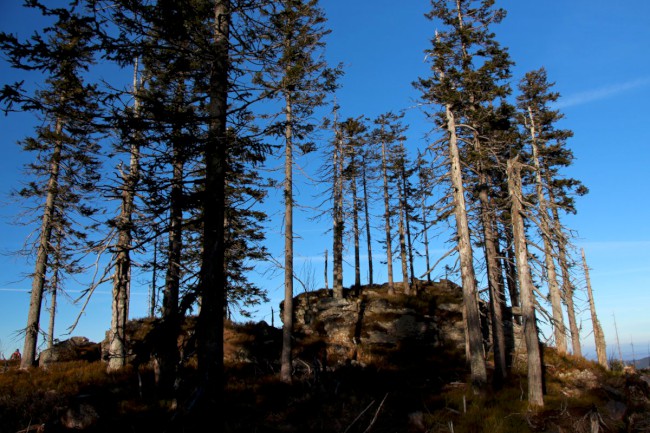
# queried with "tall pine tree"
point(65, 167)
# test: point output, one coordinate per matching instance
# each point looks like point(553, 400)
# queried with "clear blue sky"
point(595, 50)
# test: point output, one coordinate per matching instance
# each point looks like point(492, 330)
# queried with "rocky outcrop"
point(73, 349)
point(373, 327)
point(146, 336)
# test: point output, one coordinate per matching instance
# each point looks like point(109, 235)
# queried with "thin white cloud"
point(601, 93)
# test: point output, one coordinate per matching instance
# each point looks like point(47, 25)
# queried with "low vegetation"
point(429, 396)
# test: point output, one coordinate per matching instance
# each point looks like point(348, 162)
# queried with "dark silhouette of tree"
point(353, 134)
point(301, 78)
point(388, 131)
point(65, 167)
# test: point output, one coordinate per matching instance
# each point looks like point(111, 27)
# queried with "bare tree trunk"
point(54, 290)
point(599, 336)
point(535, 374)
point(168, 356)
point(355, 227)
point(287, 312)
point(121, 283)
point(154, 277)
point(511, 274)
point(210, 326)
point(409, 245)
point(389, 247)
point(338, 218)
point(470, 294)
point(325, 276)
point(425, 222)
point(364, 184)
point(50, 332)
point(495, 286)
point(567, 286)
point(38, 281)
point(551, 275)
point(117, 350)
point(402, 241)
point(407, 223)
point(567, 289)
point(494, 271)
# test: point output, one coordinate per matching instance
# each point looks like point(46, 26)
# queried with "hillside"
point(420, 385)
point(640, 363)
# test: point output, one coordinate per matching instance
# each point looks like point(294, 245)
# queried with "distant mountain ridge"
point(640, 363)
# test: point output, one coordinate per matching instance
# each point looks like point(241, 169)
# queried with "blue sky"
point(595, 51)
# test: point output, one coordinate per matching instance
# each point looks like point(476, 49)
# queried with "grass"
point(41, 396)
point(411, 393)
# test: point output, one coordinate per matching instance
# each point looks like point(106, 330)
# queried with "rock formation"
point(372, 327)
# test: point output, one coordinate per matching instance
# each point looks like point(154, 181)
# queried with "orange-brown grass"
point(31, 396)
point(39, 396)
point(458, 409)
point(414, 392)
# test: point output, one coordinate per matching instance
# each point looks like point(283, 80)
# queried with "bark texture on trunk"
point(154, 277)
point(470, 294)
point(287, 312)
point(364, 180)
point(495, 286)
point(529, 321)
point(337, 249)
point(53, 292)
point(425, 224)
point(355, 226)
point(211, 316)
point(402, 242)
point(117, 350)
point(168, 357)
point(325, 267)
point(511, 274)
point(389, 247)
point(567, 286)
point(559, 329)
point(38, 281)
point(407, 224)
point(599, 336)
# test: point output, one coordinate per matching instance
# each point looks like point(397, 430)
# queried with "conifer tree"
point(492, 140)
point(301, 78)
point(533, 102)
point(158, 138)
point(400, 172)
point(467, 65)
point(353, 130)
point(549, 154)
point(425, 186)
point(206, 48)
point(599, 336)
point(337, 208)
point(563, 261)
point(368, 157)
point(65, 167)
point(117, 351)
point(388, 131)
point(528, 318)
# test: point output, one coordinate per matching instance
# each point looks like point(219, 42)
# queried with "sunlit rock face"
point(370, 327)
